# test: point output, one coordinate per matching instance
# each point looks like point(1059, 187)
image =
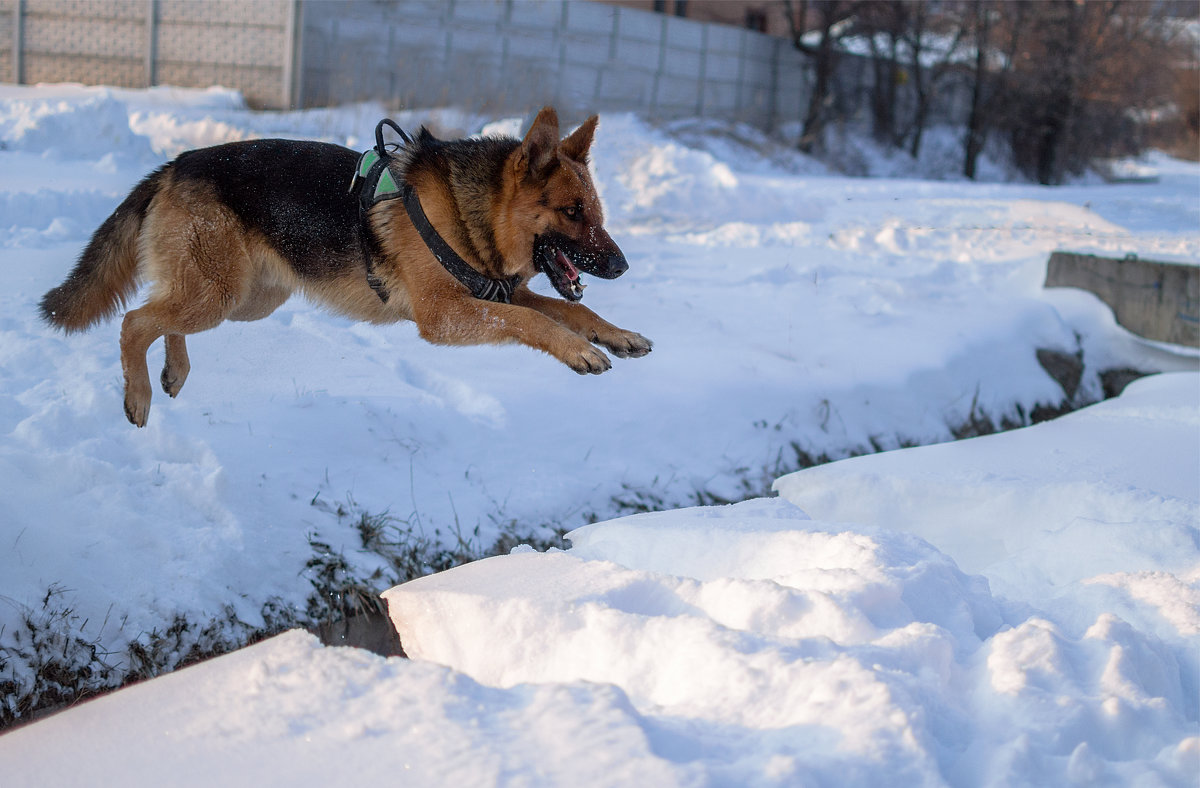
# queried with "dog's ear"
point(576, 146)
point(538, 148)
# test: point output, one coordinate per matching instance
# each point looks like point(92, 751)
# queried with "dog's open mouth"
point(552, 256)
point(562, 260)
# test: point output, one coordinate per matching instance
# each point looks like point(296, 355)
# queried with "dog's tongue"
point(572, 271)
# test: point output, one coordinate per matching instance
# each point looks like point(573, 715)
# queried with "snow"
point(1017, 608)
point(1091, 496)
point(350, 717)
point(746, 644)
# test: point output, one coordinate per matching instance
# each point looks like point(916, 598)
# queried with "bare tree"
point(1082, 74)
point(976, 124)
point(997, 32)
point(915, 31)
point(883, 24)
point(832, 14)
point(905, 54)
point(1067, 81)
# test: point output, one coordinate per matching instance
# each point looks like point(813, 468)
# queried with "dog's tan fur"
point(206, 265)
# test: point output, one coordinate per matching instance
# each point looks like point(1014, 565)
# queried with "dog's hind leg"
point(138, 331)
point(176, 367)
point(195, 254)
point(167, 318)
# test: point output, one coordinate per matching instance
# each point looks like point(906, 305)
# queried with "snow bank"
point(767, 646)
point(1069, 500)
point(291, 712)
point(96, 126)
point(855, 652)
point(746, 645)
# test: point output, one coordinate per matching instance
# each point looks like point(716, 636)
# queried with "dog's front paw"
point(588, 360)
point(626, 344)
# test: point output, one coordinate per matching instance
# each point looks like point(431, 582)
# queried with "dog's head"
point(554, 207)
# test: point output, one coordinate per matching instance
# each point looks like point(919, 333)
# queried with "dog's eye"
point(572, 212)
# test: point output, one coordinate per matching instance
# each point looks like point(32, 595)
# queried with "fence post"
point(560, 32)
point(662, 63)
point(703, 71)
point(151, 41)
point(291, 70)
point(18, 42)
point(613, 36)
point(773, 92)
point(738, 102)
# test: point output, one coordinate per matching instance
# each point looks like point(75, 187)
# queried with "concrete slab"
point(1155, 300)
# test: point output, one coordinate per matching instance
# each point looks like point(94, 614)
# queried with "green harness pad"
point(375, 178)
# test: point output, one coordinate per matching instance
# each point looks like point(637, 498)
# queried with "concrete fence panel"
point(8, 36)
point(64, 39)
point(489, 55)
point(512, 56)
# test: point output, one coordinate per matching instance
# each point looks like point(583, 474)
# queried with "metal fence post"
point(739, 101)
point(773, 90)
point(18, 42)
point(151, 41)
point(291, 70)
point(662, 63)
point(613, 36)
point(560, 32)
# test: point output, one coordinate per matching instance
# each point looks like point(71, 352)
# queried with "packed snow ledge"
point(750, 644)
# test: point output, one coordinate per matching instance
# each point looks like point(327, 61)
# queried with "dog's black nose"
point(615, 266)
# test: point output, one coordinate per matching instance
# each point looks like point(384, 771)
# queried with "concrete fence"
point(501, 55)
point(138, 43)
point(516, 55)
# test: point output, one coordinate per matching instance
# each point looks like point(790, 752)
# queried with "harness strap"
point(482, 287)
point(374, 182)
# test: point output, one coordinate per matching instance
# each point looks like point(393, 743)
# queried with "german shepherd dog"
point(230, 232)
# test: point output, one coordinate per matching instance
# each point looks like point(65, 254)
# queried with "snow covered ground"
point(748, 644)
point(795, 313)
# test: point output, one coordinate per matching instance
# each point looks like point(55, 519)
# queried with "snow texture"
point(746, 644)
point(1016, 609)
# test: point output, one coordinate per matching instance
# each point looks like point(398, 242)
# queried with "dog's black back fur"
point(293, 192)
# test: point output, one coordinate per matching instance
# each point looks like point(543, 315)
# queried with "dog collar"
point(375, 183)
point(482, 287)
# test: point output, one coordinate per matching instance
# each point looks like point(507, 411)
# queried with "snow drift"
point(746, 644)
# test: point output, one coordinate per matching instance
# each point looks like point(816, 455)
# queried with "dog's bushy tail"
point(107, 272)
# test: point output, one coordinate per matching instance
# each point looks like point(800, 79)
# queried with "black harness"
point(374, 182)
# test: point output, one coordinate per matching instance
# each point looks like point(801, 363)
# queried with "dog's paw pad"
point(171, 382)
point(589, 362)
point(137, 413)
point(629, 345)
